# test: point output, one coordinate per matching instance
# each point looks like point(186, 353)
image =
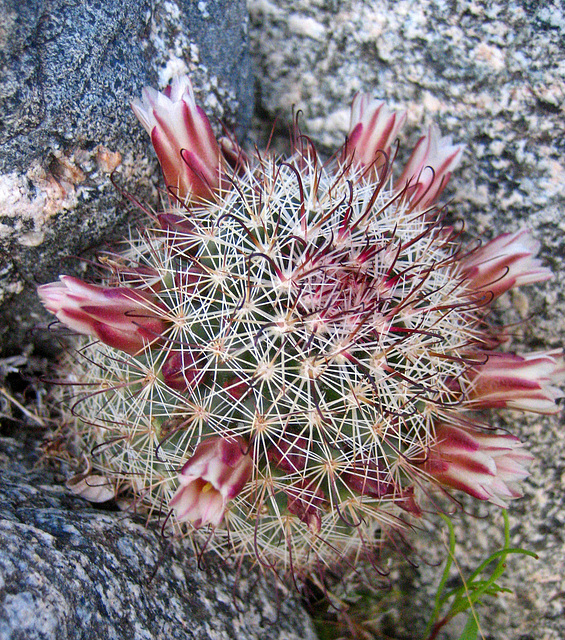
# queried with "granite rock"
point(71, 572)
point(491, 74)
point(68, 73)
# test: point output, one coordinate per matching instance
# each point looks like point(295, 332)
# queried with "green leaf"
point(475, 587)
point(471, 630)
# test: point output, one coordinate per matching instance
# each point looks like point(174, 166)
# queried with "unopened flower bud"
point(406, 500)
point(187, 279)
point(373, 128)
point(365, 478)
point(214, 475)
point(527, 382)
point(429, 167)
point(182, 370)
point(306, 501)
point(182, 138)
point(503, 263)
point(234, 155)
point(123, 318)
point(487, 466)
point(289, 454)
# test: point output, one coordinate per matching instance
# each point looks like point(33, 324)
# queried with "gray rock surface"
point(492, 75)
point(71, 572)
point(67, 74)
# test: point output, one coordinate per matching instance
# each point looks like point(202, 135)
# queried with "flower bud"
point(484, 465)
point(234, 155)
point(514, 381)
point(305, 501)
point(236, 387)
point(126, 319)
point(429, 167)
point(181, 370)
point(187, 279)
point(183, 139)
point(214, 475)
point(406, 500)
point(366, 479)
point(289, 454)
point(373, 127)
point(503, 263)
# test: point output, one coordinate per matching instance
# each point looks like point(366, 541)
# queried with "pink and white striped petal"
point(503, 263)
point(429, 168)
point(526, 382)
point(183, 139)
point(484, 465)
point(373, 127)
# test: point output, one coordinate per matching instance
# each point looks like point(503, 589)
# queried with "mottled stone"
point(491, 75)
point(68, 73)
point(71, 572)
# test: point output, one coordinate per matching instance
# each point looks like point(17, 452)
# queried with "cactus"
point(291, 355)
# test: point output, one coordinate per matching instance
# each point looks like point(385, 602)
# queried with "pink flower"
point(373, 127)
point(429, 167)
point(517, 382)
point(486, 466)
point(126, 319)
point(182, 137)
point(505, 262)
point(214, 475)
